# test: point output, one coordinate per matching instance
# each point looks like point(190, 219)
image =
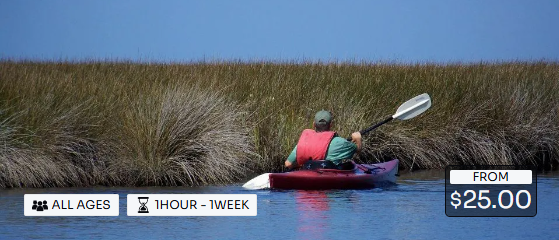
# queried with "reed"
point(125, 123)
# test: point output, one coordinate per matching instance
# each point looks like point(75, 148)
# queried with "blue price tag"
point(491, 191)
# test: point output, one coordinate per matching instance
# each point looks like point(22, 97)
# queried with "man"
point(323, 144)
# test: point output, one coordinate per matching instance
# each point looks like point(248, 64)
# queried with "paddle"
point(408, 110)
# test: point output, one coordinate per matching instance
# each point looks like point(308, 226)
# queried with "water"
point(413, 209)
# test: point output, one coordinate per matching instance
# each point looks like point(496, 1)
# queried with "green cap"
point(322, 117)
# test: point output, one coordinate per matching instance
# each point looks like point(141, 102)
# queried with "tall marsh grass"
point(119, 123)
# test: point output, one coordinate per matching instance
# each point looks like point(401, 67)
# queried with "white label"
point(192, 205)
point(490, 176)
point(71, 204)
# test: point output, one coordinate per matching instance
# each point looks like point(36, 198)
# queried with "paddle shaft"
point(371, 128)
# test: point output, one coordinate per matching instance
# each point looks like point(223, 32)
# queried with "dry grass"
point(119, 123)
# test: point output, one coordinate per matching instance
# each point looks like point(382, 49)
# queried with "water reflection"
point(315, 210)
point(313, 219)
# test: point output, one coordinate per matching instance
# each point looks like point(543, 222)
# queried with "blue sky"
point(390, 31)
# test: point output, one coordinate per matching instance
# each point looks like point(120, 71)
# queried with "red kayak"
point(362, 176)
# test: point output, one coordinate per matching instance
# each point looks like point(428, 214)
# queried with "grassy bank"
point(78, 124)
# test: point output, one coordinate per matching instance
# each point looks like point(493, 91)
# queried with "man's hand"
point(356, 138)
point(290, 165)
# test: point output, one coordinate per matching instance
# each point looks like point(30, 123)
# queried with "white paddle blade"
point(413, 107)
point(260, 182)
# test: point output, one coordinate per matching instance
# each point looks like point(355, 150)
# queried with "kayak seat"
point(325, 164)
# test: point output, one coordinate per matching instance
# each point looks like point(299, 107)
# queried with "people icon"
point(40, 205)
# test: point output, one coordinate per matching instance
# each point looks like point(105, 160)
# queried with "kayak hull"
point(363, 176)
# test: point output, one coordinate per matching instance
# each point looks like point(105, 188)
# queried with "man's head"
point(322, 121)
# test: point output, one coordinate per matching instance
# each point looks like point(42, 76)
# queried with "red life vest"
point(313, 145)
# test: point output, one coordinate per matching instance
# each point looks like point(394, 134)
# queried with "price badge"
point(490, 191)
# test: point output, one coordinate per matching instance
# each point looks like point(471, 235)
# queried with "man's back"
point(338, 150)
point(322, 143)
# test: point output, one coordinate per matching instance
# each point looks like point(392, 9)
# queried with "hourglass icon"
point(143, 201)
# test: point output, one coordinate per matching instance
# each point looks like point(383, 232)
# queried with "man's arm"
point(356, 138)
point(291, 165)
point(291, 161)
